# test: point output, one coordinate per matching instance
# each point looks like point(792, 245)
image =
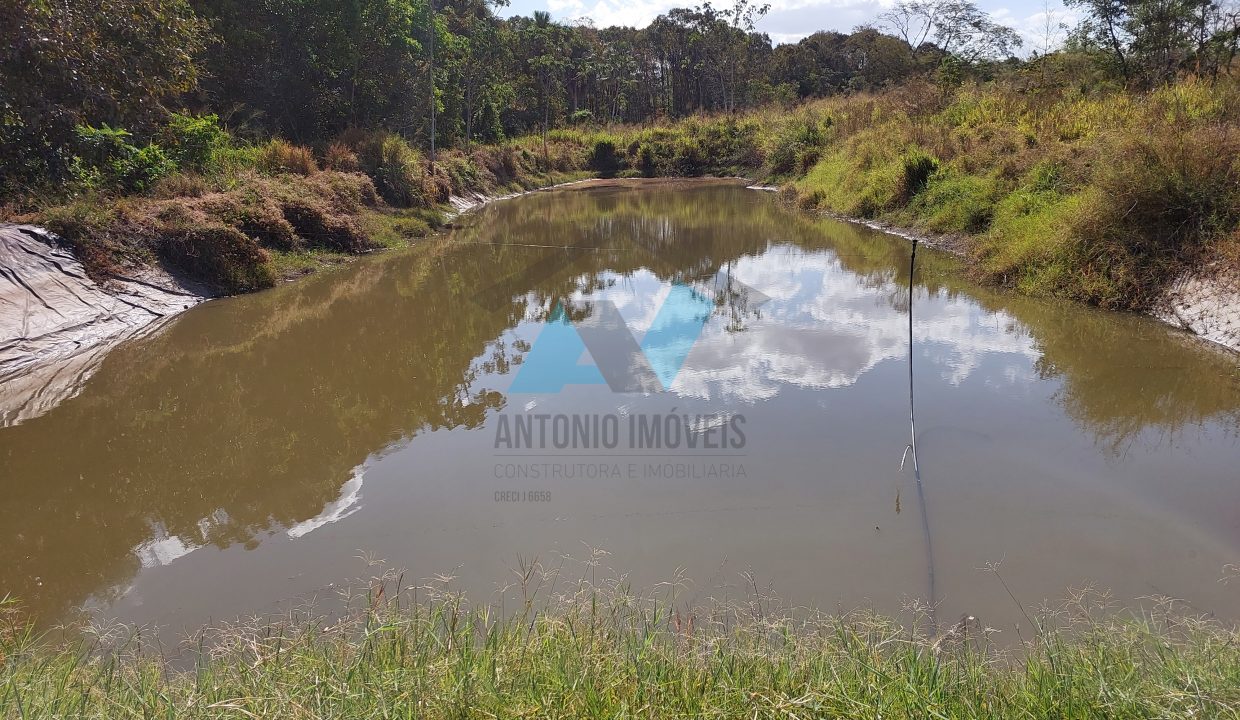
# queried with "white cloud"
point(779, 38)
point(823, 327)
point(1046, 30)
point(607, 13)
point(784, 23)
point(791, 20)
point(339, 509)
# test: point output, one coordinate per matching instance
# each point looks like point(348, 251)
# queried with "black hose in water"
point(912, 421)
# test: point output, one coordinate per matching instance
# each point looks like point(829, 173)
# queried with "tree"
point(74, 63)
point(1152, 41)
point(484, 50)
point(876, 60)
point(745, 48)
point(817, 65)
point(545, 41)
point(310, 68)
point(956, 27)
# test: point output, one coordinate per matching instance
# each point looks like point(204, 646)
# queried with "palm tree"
point(543, 39)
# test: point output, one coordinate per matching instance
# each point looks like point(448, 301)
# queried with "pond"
point(692, 377)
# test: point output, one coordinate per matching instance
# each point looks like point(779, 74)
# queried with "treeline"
point(76, 76)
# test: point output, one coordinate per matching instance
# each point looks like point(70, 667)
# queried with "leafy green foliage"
point(193, 141)
point(645, 160)
point(796, 147)
point(1153, 41)
point(308, 69)
point(108, 160)
point(394, 166)
point(956, 202)
point(604, 158)
point(68, 64)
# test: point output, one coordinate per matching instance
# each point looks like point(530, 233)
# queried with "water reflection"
point(254, 419)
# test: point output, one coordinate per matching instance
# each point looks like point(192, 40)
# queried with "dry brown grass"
point(219, 236)
point(181, 185)
point(279, 156)
point(320, 228)
point(341, 158)
point(218, 254)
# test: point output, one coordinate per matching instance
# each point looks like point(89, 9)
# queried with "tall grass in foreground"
point(595, 650)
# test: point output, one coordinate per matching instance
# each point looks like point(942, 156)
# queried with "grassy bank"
point(1102, 197)
point(595, 652)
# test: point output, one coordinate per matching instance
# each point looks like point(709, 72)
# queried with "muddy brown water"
point(243, 457)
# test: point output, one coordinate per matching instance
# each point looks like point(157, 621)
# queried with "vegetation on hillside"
point(1102, 199)
point(245, 141)
point(238, 216)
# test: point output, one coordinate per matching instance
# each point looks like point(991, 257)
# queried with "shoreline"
point(1201, 303)
point(62, 324)
point(42, 368)
point(604, 651)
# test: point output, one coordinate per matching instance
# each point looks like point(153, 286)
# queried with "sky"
point(791, 20)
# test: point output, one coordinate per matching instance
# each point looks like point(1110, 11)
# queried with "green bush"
point(193, 141)
point(918, 167)
point(146, 167)
point(645, 160)
point(604, 158)
point(463, 174)
point(957, 203)
point(796, 146)
point(395, 167)
point(101, 146)
point(106, 158)
point(489, 127)
point(690, 158)
point(728, 146)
